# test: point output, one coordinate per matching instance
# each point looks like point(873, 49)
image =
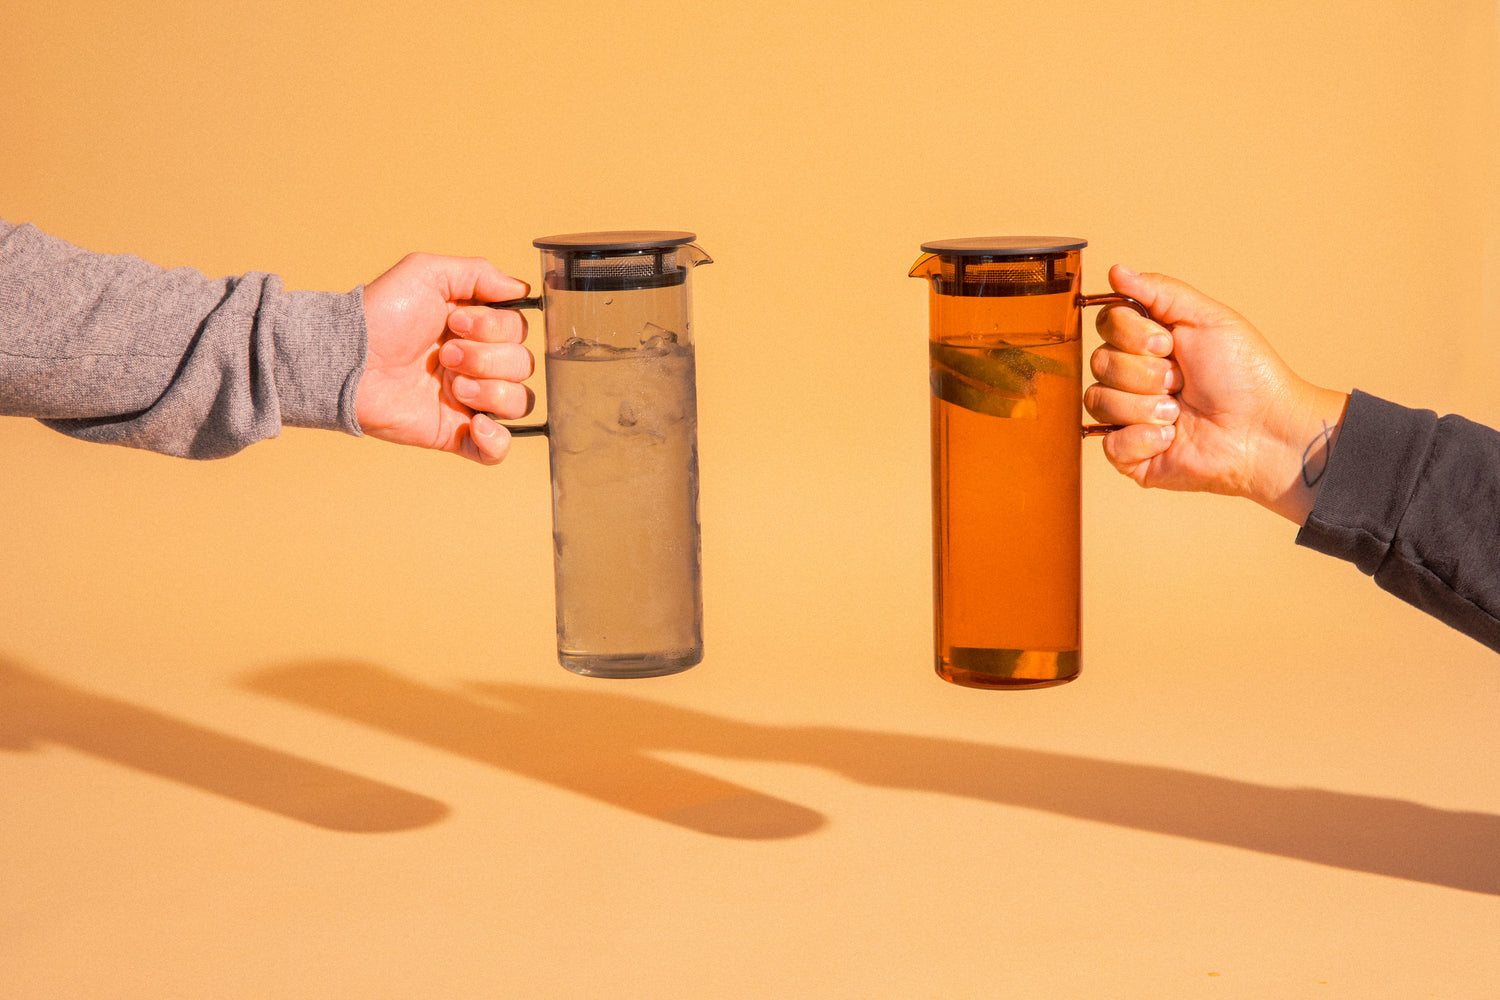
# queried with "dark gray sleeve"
point(1414, 500)
point(113, 349)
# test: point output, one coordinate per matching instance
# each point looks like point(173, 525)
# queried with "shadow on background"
point(36, 710)
point(599, 745)
point(599, 750)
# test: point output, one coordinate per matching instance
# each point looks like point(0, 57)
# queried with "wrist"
point(1298, 449)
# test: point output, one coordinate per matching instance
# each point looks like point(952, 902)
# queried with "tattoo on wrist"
point(1315, 455)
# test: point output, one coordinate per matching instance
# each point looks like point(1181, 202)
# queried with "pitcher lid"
point(624, 239)
point(1004, 246)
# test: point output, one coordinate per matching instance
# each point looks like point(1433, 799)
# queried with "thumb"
point(473, 279)
point(1169, 300)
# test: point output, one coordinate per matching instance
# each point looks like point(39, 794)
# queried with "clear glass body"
point(1004, 371)
point(622, 435)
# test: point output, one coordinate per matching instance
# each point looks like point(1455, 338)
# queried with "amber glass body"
point(1006, 457)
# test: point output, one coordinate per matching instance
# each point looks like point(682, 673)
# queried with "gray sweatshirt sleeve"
point(114, 349)
point(1414, 500)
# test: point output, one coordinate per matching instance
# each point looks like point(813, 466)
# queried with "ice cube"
point(657, 339)
point(583, 349)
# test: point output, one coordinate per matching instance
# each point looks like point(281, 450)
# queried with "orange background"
point(290, 724)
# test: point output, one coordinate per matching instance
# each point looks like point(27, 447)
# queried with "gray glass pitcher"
point(622, 438)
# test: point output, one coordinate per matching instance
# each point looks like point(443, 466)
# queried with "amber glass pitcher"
point(1004, 368)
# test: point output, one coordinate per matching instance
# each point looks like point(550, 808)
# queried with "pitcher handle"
point(1109, 299)
point(519, 430)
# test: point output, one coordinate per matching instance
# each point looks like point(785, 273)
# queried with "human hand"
point(437, 357)
point(1206, 402)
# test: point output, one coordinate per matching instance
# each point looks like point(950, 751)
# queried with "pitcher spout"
point(691, 255)
point(926, 266)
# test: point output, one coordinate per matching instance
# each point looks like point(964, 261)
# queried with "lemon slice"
point(951, 387)
point(998, 381)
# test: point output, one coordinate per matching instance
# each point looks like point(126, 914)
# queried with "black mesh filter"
point(614, 261)
point(984, 276)
point(580, 271)
point(1006, 265)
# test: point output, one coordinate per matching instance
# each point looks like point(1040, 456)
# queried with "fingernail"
point(465, 388)
point(1167, 409)
point(1168, 431)
point(482, 426)
point(1127, 271)
point(1173, 381)
point(1160, 345)
point(451, 355)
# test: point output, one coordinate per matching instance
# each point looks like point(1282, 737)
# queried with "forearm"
point(113, 349)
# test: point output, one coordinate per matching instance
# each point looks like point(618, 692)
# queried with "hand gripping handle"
point(1109, 299)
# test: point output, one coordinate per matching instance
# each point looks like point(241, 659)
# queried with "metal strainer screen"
point(987, 276)
point(1003, 266)
point(614, 261)
point(583, 272)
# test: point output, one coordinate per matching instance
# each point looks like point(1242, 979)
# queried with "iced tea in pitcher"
point(1004, 370)
point(622, 431)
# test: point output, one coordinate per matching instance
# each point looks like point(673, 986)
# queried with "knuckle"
point(1101, 363)
point(494, 366)
point(492, 325)
point(512, 401)
point(1112, 451)
point(499, 401)
point(521, 361)
point(1115, 323)
point(498, 363)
